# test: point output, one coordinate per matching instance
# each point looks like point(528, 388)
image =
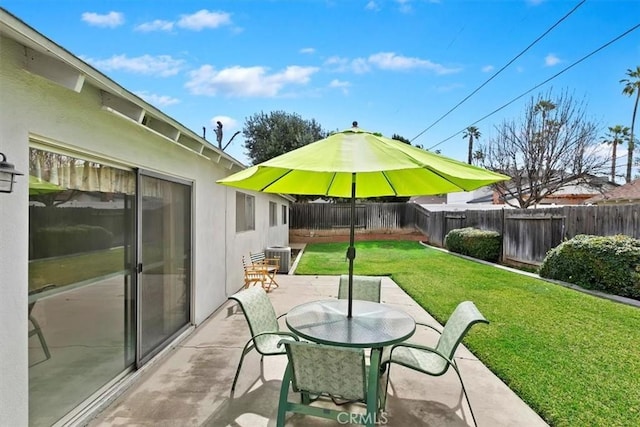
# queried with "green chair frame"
point(263, 326)
point(38, 331)
point(365, 288)
point(322, 371)
point(436, 361)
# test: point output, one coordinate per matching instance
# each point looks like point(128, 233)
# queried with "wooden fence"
point(369, 216)
point(527, 234)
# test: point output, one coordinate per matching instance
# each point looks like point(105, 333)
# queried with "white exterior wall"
point(34, 107)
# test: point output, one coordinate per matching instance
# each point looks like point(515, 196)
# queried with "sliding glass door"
point(164, 268)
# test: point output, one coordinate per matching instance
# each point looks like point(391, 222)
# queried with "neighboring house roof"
point(428, 200)
point(570, 193)
point(627, 193)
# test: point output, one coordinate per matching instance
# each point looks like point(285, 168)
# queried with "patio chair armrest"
point(282, 341)
point(429, 326)
point(283, 314)
point(417, 347)
point(290, 334)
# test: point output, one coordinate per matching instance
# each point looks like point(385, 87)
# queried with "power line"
point(500, 70)
point(541, 84)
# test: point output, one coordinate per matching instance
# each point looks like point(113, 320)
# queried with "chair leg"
point(284, 393)
point(38, 332)
point(464, 391)
point(247, 348)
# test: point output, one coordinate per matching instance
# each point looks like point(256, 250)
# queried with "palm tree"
point(617, 135)
point(632, 86)
point(478, 156)
point(472, 133)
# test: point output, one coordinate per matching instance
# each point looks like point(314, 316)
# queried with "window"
point(245, 212)
point(284, 214)
point(273, 214)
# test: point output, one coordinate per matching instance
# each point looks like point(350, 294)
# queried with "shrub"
point(481, 244)
point(604, 263)
point(65, 240)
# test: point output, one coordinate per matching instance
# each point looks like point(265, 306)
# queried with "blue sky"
point(395, 66)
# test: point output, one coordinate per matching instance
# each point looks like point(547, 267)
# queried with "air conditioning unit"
point(282, 252)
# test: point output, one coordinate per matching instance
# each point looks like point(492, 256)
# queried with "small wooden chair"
point(271, 265)
point(254, 274)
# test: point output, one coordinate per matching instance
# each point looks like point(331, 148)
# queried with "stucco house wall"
point(67, 111)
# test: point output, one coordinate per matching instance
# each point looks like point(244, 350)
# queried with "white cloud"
point(342, 65)
point(204, 19)
point(391, 61)
point(385, 61)
point(157, 100)
point(228, 123)
point(109, 20)
point(449, 88)
point(246, 81)
point(404, 6)
point(161, 65)
point(156, 25)
point(338, 84)
point(372, 5)
point(550, 60)
point(487, 68)
point(308, 50)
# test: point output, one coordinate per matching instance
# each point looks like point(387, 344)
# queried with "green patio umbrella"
point(354, 164)
point(38, 186)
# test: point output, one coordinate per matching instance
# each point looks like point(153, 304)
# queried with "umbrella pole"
point(351, 251)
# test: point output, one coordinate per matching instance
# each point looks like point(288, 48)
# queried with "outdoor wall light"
point(7, 172)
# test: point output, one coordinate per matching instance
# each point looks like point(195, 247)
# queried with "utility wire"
point(541, 84)
point(500, 70)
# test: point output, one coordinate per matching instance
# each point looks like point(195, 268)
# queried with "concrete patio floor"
point(190, 385)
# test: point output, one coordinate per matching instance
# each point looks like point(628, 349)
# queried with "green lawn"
point(574, 358)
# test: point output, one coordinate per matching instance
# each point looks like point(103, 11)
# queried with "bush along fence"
point(526, 234)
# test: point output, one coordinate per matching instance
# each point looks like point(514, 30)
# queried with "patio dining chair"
point(319, 371)
point(271, 266)
point(263, 326)
point(366, 288)
point(436, 360)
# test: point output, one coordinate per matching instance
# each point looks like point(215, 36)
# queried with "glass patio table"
point(372, 325)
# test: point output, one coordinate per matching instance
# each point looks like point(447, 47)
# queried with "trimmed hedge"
point(481, 244)
point(609, 264)
point(65, 240)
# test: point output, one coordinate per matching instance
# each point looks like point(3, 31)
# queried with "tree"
point(478, 157)
point(632, 86)
point(270, 135)
point(471, 133)
point(553, 145)
point(617, 135)
point(400, 138)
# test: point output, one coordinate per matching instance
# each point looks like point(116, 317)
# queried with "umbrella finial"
point(354, 124)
